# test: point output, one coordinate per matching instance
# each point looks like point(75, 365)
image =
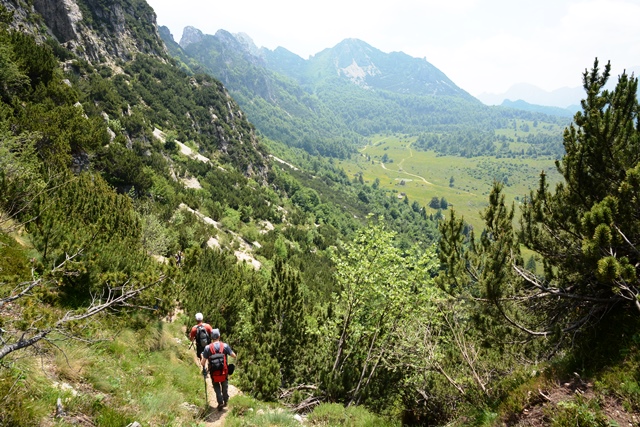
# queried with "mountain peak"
point(247, 43)
point(370, 68)
point(190, 35)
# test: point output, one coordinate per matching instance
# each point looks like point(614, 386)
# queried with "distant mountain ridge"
point(563, 98)
point(552, 111)
point(328, 103)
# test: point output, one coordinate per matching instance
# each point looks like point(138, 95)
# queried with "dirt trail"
point(407, 173)
point(212, 416)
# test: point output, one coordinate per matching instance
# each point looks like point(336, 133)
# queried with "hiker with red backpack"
point(200, 334)
point(216, 354)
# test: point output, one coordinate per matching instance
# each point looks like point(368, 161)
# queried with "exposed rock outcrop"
point(93, 30)
point(61, 16)
point(190, 35)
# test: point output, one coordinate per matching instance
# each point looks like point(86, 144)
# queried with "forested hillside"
point(333, 101)
point(112, 166)
point(282, 109)
point(133, 189)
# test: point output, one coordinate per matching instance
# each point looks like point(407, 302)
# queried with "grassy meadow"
point(423, 175)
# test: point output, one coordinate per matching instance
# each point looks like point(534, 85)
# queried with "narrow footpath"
point(212, 416)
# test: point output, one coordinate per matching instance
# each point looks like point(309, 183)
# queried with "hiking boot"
point(220, 406)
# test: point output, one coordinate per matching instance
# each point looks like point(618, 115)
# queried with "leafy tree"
point(20, 180)
point(306, 198)
point(156, 239)
point(379, 288)
point(274, 333)
point(531, 264)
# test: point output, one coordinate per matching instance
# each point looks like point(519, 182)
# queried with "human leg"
point(225, 391)
point(217, 387)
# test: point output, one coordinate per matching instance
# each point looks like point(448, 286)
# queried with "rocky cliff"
point(99, 31)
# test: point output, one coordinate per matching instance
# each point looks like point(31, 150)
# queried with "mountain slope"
point(327, 103)
point(367, 67)
point(276, 104)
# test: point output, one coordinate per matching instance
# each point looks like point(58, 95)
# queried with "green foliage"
point(156, 238)
point(580, 412)
point(333, 414)
point(20, 180)
point(584, 229)
point(379, 288)
point(274, 332)
point(14, 264)
point(80, 213)
point(36, 60)
point(214, 284)
point(124, 169)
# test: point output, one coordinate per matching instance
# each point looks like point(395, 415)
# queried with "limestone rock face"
point(97, 30)
point(190, 35)
point(61, 16)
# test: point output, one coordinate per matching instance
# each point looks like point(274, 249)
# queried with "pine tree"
point(587, 229)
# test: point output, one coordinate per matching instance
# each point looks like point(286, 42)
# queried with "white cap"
point(199, 317)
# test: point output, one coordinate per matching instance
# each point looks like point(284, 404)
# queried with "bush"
point(578, 412)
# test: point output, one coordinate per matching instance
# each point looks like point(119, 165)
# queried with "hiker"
point(200, 334)
point(216, 353)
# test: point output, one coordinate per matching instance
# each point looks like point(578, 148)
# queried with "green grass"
point(333, 414)
point(424, 175)
point(146, 375)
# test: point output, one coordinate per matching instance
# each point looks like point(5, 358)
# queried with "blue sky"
point(484, 46)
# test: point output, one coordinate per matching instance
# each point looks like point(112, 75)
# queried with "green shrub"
point(578, 412)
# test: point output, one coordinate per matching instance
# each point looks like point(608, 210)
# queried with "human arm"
point(229, 351)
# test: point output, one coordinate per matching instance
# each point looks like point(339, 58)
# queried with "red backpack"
point(218, 363)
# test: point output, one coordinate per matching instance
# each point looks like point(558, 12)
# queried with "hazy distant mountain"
point(352, 87)
point(566, 97)
point(552, 111)
point(563, 97)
